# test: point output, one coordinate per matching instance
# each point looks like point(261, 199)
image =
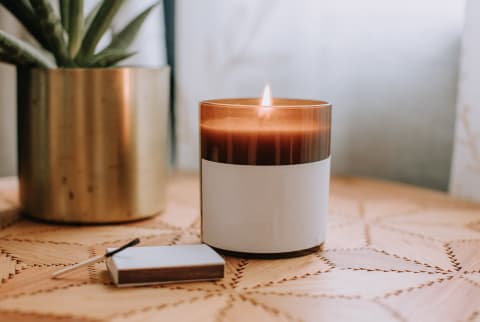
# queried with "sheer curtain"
point(465, 176)
point(389, 67)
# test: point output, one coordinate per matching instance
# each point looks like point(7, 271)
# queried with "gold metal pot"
point(93, 143)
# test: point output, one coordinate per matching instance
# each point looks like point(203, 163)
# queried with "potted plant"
point(92, 137)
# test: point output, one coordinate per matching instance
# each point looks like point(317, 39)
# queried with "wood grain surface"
point(393, 253)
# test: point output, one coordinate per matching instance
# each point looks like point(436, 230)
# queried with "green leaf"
point(65, 12)
point(23, 11)
point(52, 28)
point(90, 16)
point(125, 37)
point(109, 58)
point(75, 31)
point(9, 59)
point(22, 51)
point(100, 24)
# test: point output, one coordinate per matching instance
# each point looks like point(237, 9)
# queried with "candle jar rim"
point(292, 103)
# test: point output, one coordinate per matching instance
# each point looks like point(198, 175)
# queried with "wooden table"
point(393, 253)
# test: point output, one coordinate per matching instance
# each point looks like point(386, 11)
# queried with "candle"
point(265, 167)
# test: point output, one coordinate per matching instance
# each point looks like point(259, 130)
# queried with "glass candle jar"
point(265, 174)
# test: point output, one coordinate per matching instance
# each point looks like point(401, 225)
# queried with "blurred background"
point(402, 76)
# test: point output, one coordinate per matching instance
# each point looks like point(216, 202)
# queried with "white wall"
point(465, 176)
point(8, 115)
point(389, 67)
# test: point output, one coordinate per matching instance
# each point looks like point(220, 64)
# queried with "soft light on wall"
point(389, 67)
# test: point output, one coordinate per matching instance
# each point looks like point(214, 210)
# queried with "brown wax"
point(239, 131)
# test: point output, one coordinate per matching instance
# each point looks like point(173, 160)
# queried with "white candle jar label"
point(265, 209)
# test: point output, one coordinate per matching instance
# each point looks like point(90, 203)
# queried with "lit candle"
point(265, 166)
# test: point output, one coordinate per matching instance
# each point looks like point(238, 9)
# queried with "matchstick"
point(94, 260)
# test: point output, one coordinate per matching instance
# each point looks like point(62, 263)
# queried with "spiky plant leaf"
point(109, 58)
point(75, 29)
point(65, 13)
point(23, 11)
point(53, 30)
point(99, 25)
point(9, 59)
point(19, 50)
point(90, 16)
point(15, 60)
point(125, 37)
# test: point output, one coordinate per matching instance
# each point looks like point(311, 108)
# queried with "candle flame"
point(266, 103)
point(267, 96)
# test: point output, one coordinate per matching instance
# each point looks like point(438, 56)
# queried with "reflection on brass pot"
point(93, 143)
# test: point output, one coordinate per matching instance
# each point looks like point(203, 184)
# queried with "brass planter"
point(92, 143)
